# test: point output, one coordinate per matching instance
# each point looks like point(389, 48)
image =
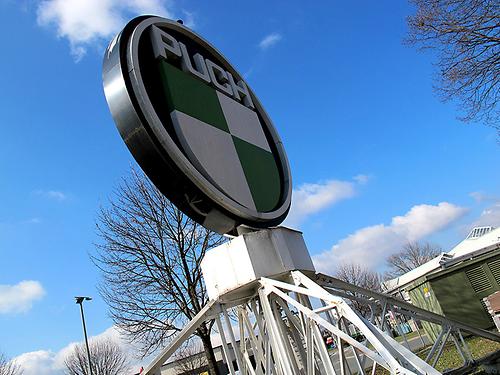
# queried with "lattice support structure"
point(272, 312)
point(277, 327)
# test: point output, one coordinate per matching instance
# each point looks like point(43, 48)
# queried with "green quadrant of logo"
point(223, 139)
point(261, 173)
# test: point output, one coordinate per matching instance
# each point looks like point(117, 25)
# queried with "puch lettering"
point(167, 47)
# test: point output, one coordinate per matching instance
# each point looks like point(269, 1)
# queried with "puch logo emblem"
point(195, 127)
point(216, 124)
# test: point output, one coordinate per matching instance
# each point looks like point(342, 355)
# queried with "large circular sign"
point(195, 127)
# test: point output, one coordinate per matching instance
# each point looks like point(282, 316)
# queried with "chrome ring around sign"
point(134, 113)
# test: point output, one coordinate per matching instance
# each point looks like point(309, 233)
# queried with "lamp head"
point(79, 300)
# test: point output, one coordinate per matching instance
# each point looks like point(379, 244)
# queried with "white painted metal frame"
point(281, 333)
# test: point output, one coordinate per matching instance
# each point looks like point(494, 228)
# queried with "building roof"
point(478, 241)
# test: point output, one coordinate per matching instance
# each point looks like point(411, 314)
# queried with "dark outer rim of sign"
point(146, 137)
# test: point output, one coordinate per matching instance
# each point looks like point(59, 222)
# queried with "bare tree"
point(150, 257)
point(466, 34)
point(9, 367)
point(106, 357)
point(412, 255)
point(359, 275)
point(190, 359)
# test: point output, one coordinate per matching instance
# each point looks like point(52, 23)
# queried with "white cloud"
point(270, 40)
point(371, 245)
point(189, 19)
point(489, 216)
point(20, 297)
point(478, 196)
point(361, 179)
point(41, 362)
point(309, 199)
point(48, 362)
point(89, 22)
point(52, 194)
point(481, 197)
point(56, 195)
point(33, 220)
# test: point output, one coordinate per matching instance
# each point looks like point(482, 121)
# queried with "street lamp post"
point(79, 301)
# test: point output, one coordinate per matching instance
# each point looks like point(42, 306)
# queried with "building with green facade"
point(454, 284)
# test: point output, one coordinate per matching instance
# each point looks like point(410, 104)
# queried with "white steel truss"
point(281, 322)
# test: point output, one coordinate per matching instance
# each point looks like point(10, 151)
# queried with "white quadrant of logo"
point(243, 122)
point(213, 153)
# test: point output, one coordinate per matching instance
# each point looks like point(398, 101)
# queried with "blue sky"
point(376, 158)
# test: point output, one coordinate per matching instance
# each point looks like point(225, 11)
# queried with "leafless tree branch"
point(149, 255)
point(105, 355)
point(190, 359)
point(412, 255)
point(466, 35)
point(358, 275)
point(9, 367)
